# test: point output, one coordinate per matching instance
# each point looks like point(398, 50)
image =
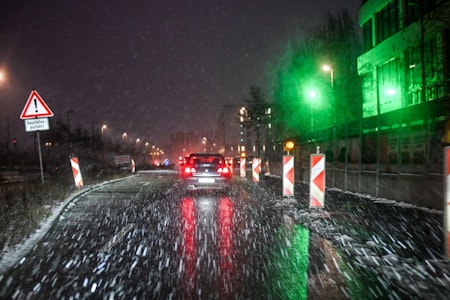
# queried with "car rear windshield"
point(207, 159)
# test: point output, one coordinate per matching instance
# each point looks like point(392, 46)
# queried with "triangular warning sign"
point(35, 107)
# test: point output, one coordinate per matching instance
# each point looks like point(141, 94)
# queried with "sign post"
point(36, 113)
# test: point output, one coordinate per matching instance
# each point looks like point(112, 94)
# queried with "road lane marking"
point(116, 238)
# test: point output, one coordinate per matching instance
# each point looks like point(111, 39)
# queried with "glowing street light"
point(328, 68)
point(103, 128)
point(2, 76)
point(312, 94)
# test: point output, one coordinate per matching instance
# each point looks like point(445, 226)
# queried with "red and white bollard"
point(288, 175)
point(230, 164)
point(447, 199)
point(317, 181)
point(242, 167)
point(256, 169)
point(76, 172)
point(133, 166)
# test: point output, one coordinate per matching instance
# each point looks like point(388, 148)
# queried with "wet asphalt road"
point(146, 238)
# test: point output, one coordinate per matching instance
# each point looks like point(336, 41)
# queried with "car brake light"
point(223, 171)
point(189, 170)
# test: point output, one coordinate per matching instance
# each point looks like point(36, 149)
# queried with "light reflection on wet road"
point(144, 238)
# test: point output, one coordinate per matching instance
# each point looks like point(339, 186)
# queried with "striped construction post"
point(242, 167)
point(76, 172)
point(133, 166)
point(288, 175)
point(230, 163)
point(256, 169)
point(317, 181)
point(447, 199)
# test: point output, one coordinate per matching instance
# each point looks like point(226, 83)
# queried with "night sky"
point(148, 68)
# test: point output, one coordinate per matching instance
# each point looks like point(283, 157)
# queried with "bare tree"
point(256, 117)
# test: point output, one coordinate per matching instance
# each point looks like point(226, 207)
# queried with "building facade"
point(395, 150)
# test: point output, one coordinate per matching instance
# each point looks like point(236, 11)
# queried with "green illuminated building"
point(405, 69)
point(386, 139)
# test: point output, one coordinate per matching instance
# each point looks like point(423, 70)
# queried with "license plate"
point(206, 180)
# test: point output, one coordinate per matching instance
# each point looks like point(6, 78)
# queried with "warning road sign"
point(35, 107)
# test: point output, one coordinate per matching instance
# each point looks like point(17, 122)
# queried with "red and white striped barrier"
point(288, 175)
point(76, 172)
point(242, 167)
point(447, 199)
point(256, 169)
point(317, 181)
point(133, 166)
point(231, 164)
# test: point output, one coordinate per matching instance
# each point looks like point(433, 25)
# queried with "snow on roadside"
point(429, 278)
point(10, 256)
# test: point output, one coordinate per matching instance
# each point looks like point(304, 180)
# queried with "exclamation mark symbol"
point(35, 105)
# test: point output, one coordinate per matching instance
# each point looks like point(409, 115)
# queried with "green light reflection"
point(290, 264)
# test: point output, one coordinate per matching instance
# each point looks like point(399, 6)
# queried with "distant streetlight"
point(124, 135)
point(328, 68)
point(103, 128)
point(2, 76)
point(312, 94)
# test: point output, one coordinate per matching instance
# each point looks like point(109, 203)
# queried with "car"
point(204, 171)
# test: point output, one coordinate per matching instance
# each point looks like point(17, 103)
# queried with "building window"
point(369, 97)
point(367, 35)
point(414, 8)
point(432, 68)
point(387, 21)
point(389, 91)
point(413, 75)
point(431, 60)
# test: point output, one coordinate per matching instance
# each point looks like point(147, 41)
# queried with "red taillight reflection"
point(225, 227)
point(188, 243)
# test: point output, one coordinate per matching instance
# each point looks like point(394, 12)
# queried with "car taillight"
point(224, 171)
point(189, 170)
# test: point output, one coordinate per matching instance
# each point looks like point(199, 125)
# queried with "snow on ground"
point(427, 278)
point(10, 256)
point(420, 279)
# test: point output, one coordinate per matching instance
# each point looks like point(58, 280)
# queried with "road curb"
point(20, 251)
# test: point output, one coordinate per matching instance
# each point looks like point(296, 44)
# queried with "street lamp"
point(328, 68)
point(2, 76)
point(103, 128)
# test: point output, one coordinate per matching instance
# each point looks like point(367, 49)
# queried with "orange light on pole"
point(288, 146)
